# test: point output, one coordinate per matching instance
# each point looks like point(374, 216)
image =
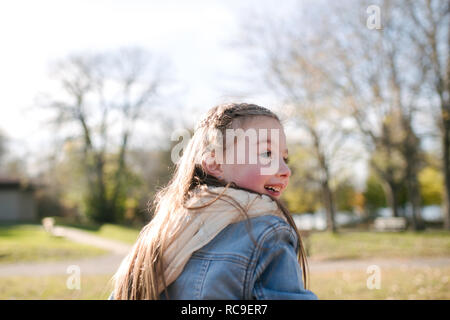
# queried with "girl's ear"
point(211, 166)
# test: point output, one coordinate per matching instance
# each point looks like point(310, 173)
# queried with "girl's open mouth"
point(273, 190)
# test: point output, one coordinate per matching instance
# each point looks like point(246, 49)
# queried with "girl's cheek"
point(251, 178)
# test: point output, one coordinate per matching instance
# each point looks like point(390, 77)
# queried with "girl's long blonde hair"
point(142, 269)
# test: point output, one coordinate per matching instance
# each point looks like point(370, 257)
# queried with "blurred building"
point(17, 203)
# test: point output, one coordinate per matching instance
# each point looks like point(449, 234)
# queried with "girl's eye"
point(268, 154)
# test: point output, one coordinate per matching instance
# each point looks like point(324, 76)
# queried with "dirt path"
point(115, 247)
point(108, 264)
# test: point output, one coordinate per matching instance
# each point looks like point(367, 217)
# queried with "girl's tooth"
point(274, 189)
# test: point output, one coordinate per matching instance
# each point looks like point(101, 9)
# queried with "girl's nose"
point(284, 170)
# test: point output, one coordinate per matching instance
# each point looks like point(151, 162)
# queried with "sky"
point(195, 36)
point(192, 35)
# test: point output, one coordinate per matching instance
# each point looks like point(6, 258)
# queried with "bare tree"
point(294, 67)
point(372, 72)
point(430, 36)
point(381, 87)
point(104, 96)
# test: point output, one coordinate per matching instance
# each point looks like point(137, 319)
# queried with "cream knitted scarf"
point(202, 225)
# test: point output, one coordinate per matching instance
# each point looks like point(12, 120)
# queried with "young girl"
point(219, 230)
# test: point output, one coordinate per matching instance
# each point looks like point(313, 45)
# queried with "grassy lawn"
point(395, 283)
point(326, 246)
point(363, 245)
point(93, 287)
point(27, 242)
point(31, 243)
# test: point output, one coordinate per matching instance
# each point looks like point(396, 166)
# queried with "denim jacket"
point(233, 266)
point(241, 265)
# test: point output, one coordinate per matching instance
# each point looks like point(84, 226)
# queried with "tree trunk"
point(391, 193)
point(329, 207)
point(327, 194)
point(102, 214)
point(415, 201)
point(114, 207)
point(410, 150)
point(446, 168)
point(445, 107)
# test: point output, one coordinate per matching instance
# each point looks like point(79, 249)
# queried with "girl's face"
point(268, 172)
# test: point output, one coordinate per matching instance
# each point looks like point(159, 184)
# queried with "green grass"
point(327, 246)
point(92, 287)
point(395, 284)
point(366, 245)
point(30, 243)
